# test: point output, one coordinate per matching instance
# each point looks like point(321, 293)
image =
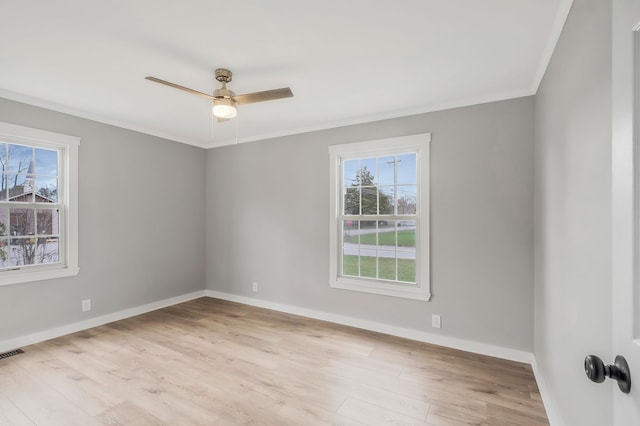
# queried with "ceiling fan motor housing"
point(223, 75)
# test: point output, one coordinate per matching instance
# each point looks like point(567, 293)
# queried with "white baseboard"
point(6, 345)
point(421, 336)
point(548, 402)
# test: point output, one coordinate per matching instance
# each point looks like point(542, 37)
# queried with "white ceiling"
point(347, 61)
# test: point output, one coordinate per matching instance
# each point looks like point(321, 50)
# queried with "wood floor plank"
point(210, 361)
point(392, 401)
point(76, 387)
point(372, 414)
point(128, 414)
point(10, 415)
point(39, 401)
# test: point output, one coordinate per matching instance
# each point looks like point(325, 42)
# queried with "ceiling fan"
point(225, 101)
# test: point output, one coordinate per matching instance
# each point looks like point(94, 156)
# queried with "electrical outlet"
point(436, 321)
point(86, 305)
point(255, 287)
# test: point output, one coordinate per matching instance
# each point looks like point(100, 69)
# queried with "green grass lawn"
point(406, 238)
point(406, 268)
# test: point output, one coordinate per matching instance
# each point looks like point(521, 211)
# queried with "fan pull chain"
point(236, 120)
point(213, 118)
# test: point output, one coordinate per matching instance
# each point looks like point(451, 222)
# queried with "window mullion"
point(377, 217)
point(4, 172)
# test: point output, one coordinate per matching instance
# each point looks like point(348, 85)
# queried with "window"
point(38, 204)
point(380, 216)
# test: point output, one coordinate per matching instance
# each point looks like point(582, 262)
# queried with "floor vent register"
point(11, 353)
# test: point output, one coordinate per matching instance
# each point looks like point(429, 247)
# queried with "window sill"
point(17, 277)
point(415, 293)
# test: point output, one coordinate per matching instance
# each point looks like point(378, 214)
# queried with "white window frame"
point(68, 198)
point(419, 144)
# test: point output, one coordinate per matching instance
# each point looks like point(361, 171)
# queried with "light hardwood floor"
point(214, 362)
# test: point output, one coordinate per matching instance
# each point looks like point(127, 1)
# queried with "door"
point(625, 183)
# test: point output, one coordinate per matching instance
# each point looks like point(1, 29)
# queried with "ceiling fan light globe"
point(224, 108)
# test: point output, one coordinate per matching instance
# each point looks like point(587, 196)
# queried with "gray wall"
point(573, 215)
point(141, 225)
point(266, 209)
point(267, 221)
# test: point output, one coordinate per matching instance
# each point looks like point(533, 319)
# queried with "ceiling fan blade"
point(177, 86)
point(267, 95)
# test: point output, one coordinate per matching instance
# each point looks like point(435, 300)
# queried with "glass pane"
point(350, 249)
point(386, 225)
point(48, 250)
point(407, 270)
point(350, 172)
point(406, 251)
point(368, 264)
point(407, 234)
point(48, 222)
point(22, 221)
point(352, 201)
point(386, 170)
point(46, 190)
point(386, 199)
point(46, 162)
point(350, 265)
point(387, 237)
point(369, 200)
point(22, 251)
point(20, 158)
point(351, 231)
point(387, 265)
point(367, 226)
point(368, 233)
point(4, 221)
point(368, 172)
point(4, 254)
point(407, 199)
point(21, 188)
point(406, 169)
